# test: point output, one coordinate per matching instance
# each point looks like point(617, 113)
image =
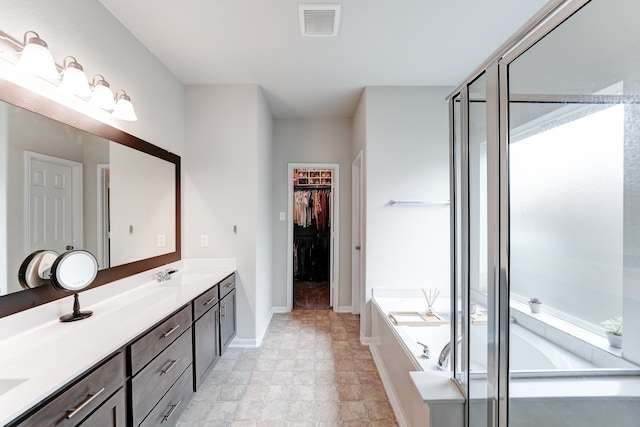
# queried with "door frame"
point(334, 252)
point(77, 221)
point(357, 231)
point(103, 215)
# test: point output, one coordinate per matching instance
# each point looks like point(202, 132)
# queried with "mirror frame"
point(24, 98)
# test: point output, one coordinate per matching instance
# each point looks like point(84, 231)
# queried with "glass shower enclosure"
point(545, 183)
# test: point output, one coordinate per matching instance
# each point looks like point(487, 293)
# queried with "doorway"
point(53, 203)
point(313, 232)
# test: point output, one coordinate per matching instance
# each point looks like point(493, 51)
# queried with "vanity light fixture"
point(74, 80)
point(102, 96)
point(32, 56)
point(36, 58)
point(124, 108)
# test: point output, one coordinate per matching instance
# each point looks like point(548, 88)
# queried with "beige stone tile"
point(284, 365)
point(232, 392)
point(265, 364)
point(269, 354)
point(352, 411)
point(326, 392)
point(350, 392)
point(287, 354)
point(369, 377)
point(373, 391)
point(249, 410)
point(359, 423)
point(325, 365)
point(245, 365)
point(346, 377)
point(282, 377)
point(256, 392)
point(343, 354)
point(365, 365)
point(345, 365)
point(300, 392)
point(260, 377)
point(379, 411)
point(326, 411)
point(306, 354)
point(324, 377)
point(384, 423)
point(274, 411)
point(304, 377)
point(304, 365)
point(303, 410)
point(222, 411)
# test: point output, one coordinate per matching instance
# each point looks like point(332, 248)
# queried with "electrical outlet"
point(162, 240)
point(282, 216)
point(204, 240)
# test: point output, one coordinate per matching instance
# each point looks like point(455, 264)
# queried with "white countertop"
point(40, 354)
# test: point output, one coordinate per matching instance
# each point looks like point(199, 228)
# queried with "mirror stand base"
point(77, 314)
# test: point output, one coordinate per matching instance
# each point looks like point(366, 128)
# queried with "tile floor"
point(310, 370)
point(309, 295)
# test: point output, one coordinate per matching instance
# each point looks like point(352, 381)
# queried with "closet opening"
point(313, 226)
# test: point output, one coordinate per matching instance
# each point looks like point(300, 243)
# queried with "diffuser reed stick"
point(431, 298)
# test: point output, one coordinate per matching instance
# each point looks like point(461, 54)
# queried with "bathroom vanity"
point(136, 362)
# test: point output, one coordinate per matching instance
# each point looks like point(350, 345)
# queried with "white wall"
point(406, 158)
point(227, 151)
point(86, 30)
point(265, 235)
point(311, 141)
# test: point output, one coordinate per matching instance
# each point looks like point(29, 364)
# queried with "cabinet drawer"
point(154, 341)
point(112, 413)
point(227, 285)
point(77, 402)
point(204, 302)
point(148, 387)
point(168, 410)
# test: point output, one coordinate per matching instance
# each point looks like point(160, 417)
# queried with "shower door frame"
point(496, 68)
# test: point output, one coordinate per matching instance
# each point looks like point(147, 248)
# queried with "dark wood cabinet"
point(150, 385)
point(152, 379)
point(112, 413)
point(206, 335)
point(73, 405)
point(227, 319)
point(154, 341)
point(169, 408)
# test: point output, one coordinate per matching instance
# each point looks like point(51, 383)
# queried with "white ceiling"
point(380, 42)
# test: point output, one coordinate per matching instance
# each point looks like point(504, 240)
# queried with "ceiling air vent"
point(319, 19)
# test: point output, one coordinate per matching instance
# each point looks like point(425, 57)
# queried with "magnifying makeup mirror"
point(72, 272)
point(35, 270)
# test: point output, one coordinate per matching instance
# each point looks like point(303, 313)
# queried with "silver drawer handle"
point(170, 367)
point(71, 412)
point(210, 301)
point(228, 284)
point(171, 411)
point(170, 331)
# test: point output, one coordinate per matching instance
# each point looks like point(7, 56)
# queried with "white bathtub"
point(528, 351)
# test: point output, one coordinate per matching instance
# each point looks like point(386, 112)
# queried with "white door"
point(356, 235)
point(53, 203)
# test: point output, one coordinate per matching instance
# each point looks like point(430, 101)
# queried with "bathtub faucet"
point(445, 355)
point(426, 353)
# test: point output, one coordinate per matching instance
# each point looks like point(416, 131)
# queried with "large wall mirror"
point(68, 181)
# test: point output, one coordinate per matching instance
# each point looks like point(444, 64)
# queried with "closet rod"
point(312, 187)
point(417, 203)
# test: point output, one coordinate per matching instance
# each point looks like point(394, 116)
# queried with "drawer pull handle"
point(71, 412)
point(170, 331)
point(226, 285)
point(171, 411)
point(170, 367)
point(210, 301)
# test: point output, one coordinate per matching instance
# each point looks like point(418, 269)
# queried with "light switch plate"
point(204, 240)
point(282, 216)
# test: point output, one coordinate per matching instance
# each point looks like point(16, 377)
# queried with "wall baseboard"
point(344, 309)
point(243, 343)
point(280, 309)
point(364, 340)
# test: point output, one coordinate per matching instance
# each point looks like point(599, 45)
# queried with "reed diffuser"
point(431, 298)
